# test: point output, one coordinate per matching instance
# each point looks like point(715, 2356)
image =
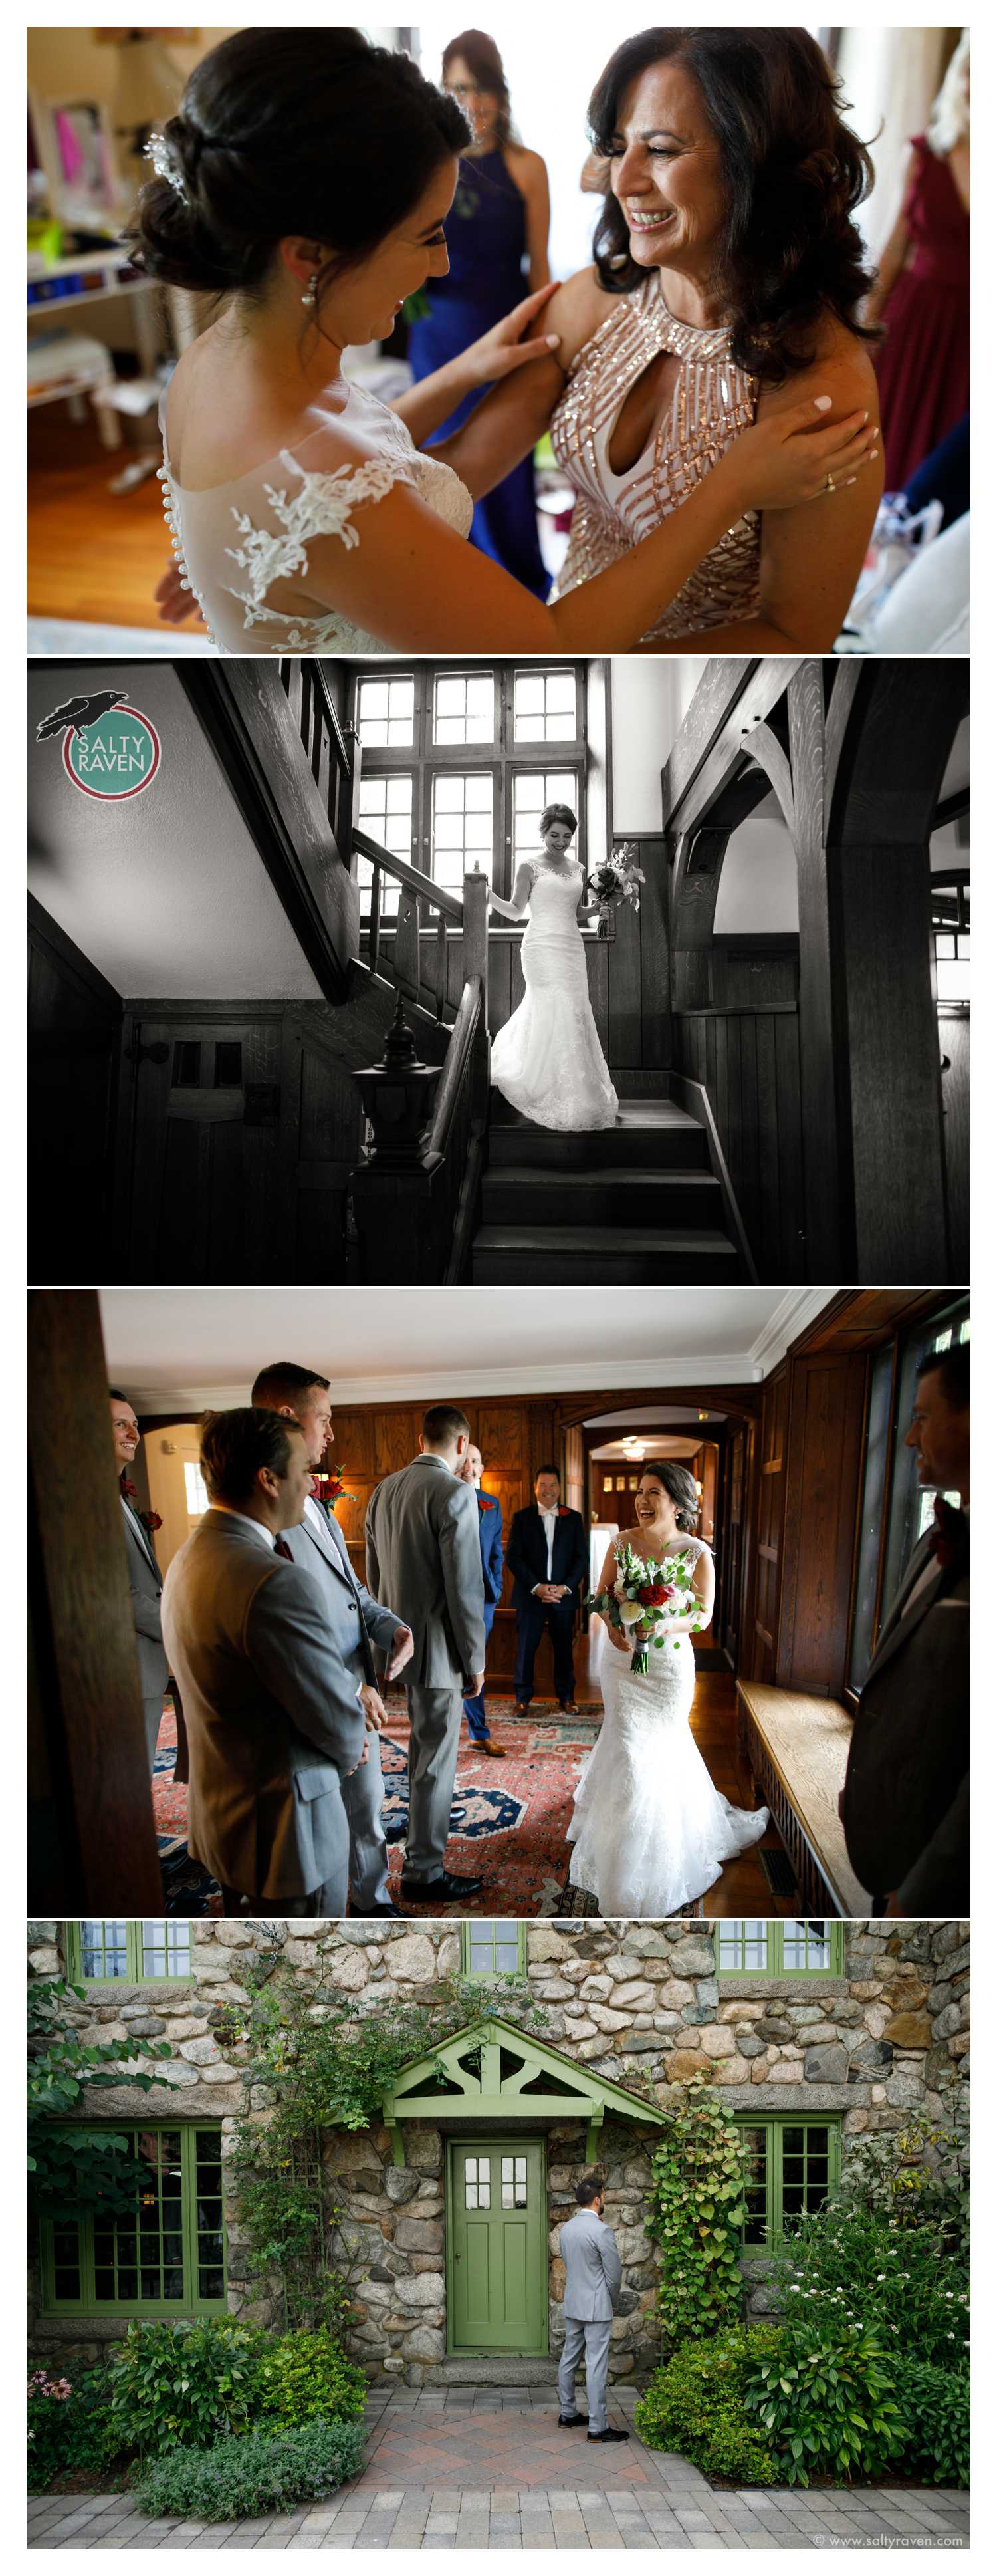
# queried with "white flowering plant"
point(649, 1594)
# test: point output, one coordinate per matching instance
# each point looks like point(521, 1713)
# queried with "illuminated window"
point(464, 707)
point(462, 827)
point(198, 1497)
point(545, 706)
point(386, 712)
point(385, 814)
point(102, 1952)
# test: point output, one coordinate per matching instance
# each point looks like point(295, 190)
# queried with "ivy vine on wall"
point(696, 2214)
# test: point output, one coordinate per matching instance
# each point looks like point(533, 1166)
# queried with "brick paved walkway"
point(437, 2474)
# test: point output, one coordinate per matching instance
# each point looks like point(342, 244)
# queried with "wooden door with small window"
point(206, 1106)
point(497, 2245)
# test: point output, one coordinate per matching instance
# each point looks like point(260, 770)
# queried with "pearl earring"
point(310, 295)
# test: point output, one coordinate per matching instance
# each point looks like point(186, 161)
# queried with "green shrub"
point(69, 2426)
point(303, 2375)
point(260, 2473)
point(695, 2405)
point(826, 2405)
point(695, 2216)
point(905, 2280)
point(172, 2384)
point(934, 2406)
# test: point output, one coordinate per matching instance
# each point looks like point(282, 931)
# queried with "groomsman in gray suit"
point(591, 2288)
point(302, 1396)
point(423, 1551)
point(144, 1578)
point(270, 1678)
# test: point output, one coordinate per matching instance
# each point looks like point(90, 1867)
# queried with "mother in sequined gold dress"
point(728, 273)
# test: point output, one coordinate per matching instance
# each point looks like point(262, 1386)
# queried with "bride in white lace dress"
point(304, 185)
point(547, 1060)
point(650, 1831)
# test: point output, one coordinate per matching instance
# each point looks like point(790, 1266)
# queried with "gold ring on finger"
point(831, 485)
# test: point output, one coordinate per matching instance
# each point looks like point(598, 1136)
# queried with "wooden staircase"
point(630, 1206)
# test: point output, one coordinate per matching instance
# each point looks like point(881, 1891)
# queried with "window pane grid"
point(166, 1949)
point(462, 827)
point(790, 1948)
point(791, 2169)
point(165, 2257)
point(464, 707)
point(492, 1949)
point(477, 2182)
point(386, 713)
point(385, 814)
point(102, 1952)
point(104, 1949)
point(544, 706)
point(805, 1945)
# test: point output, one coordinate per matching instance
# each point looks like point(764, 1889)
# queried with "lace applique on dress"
point(324, 507)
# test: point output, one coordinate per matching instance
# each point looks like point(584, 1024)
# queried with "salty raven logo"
point(79, 714)
point(109, 749)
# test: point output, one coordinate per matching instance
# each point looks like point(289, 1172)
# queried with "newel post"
point(475, 962)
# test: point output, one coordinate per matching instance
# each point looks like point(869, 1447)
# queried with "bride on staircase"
point(547, 1061)
point(650, 1831)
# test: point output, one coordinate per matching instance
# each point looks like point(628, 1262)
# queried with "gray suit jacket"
point(423, 1551)
point(319, 1546)
point(592, 2267)
point(146, 1586)
point(269, 1688)
point(909, 1756)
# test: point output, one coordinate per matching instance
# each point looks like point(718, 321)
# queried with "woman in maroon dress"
point(922, 293)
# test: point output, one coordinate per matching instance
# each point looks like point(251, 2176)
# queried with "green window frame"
point(166, 2260)
point(486, 1949)
point(133, 1953)
point(789, 1947)
point(794, 2164)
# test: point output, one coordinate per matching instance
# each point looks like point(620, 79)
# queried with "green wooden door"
point(496, 2245)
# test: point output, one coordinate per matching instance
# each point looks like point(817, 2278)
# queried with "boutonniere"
point(564, 1511)
point(151, 1521)
point(484, 1502)
point(331, 1490)
point(949, 1535)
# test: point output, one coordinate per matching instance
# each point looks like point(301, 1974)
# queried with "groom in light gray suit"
point(302, 1396)
point(270, 1679)
point(144, 1579)
point(591, 2288)
point(424, 1552)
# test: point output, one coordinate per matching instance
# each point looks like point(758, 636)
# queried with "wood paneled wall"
point(74, 1035)
point(515, 1437)
point(748, 1061)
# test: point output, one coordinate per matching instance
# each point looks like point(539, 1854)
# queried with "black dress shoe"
point(610, 2435)
point(572, 2419)
point(443, 1890)
point(367, 1912)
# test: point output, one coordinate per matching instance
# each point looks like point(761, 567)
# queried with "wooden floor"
point(92, 555)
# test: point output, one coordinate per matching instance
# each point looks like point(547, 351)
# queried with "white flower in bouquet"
point(648, 1596)
point(619, 878)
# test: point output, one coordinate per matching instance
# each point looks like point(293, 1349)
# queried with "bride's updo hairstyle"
point(679, 1486)
point(558, 814)
point(285, 130)
point(795, 174)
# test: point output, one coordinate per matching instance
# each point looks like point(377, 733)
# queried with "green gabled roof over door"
point(535, 2082)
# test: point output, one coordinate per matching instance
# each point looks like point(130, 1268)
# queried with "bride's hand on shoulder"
point(784, 459)
point(504, 348)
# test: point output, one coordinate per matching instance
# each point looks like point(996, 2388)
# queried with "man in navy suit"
point(318, 1544)
point(490, 1534)
point(547, 1557)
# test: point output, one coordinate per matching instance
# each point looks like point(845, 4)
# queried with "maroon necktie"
point(280, 1548)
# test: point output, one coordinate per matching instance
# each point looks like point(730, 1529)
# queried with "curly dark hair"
point(291, 130)
point(484, 61)
point(795, 173)
point(680, 1487)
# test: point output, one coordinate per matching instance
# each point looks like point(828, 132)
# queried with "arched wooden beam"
point(702, 850)
point(765, 748)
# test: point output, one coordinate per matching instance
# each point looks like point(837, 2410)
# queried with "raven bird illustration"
point(79, 713)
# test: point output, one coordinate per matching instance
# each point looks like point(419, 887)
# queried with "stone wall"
point(638, 2003)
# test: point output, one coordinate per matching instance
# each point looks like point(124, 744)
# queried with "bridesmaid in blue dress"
point(499, 217)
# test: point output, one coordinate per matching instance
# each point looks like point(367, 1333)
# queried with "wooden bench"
point(797, 1746)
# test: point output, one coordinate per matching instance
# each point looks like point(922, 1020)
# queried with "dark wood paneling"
point(92, 1848)
point(74, 1034)
point(827, 1411)
point(953, 1036)
point(748, 1063)
point(770, 1513)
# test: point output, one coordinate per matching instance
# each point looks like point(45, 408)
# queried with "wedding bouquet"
point(618, 879)
point(648, 1591)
